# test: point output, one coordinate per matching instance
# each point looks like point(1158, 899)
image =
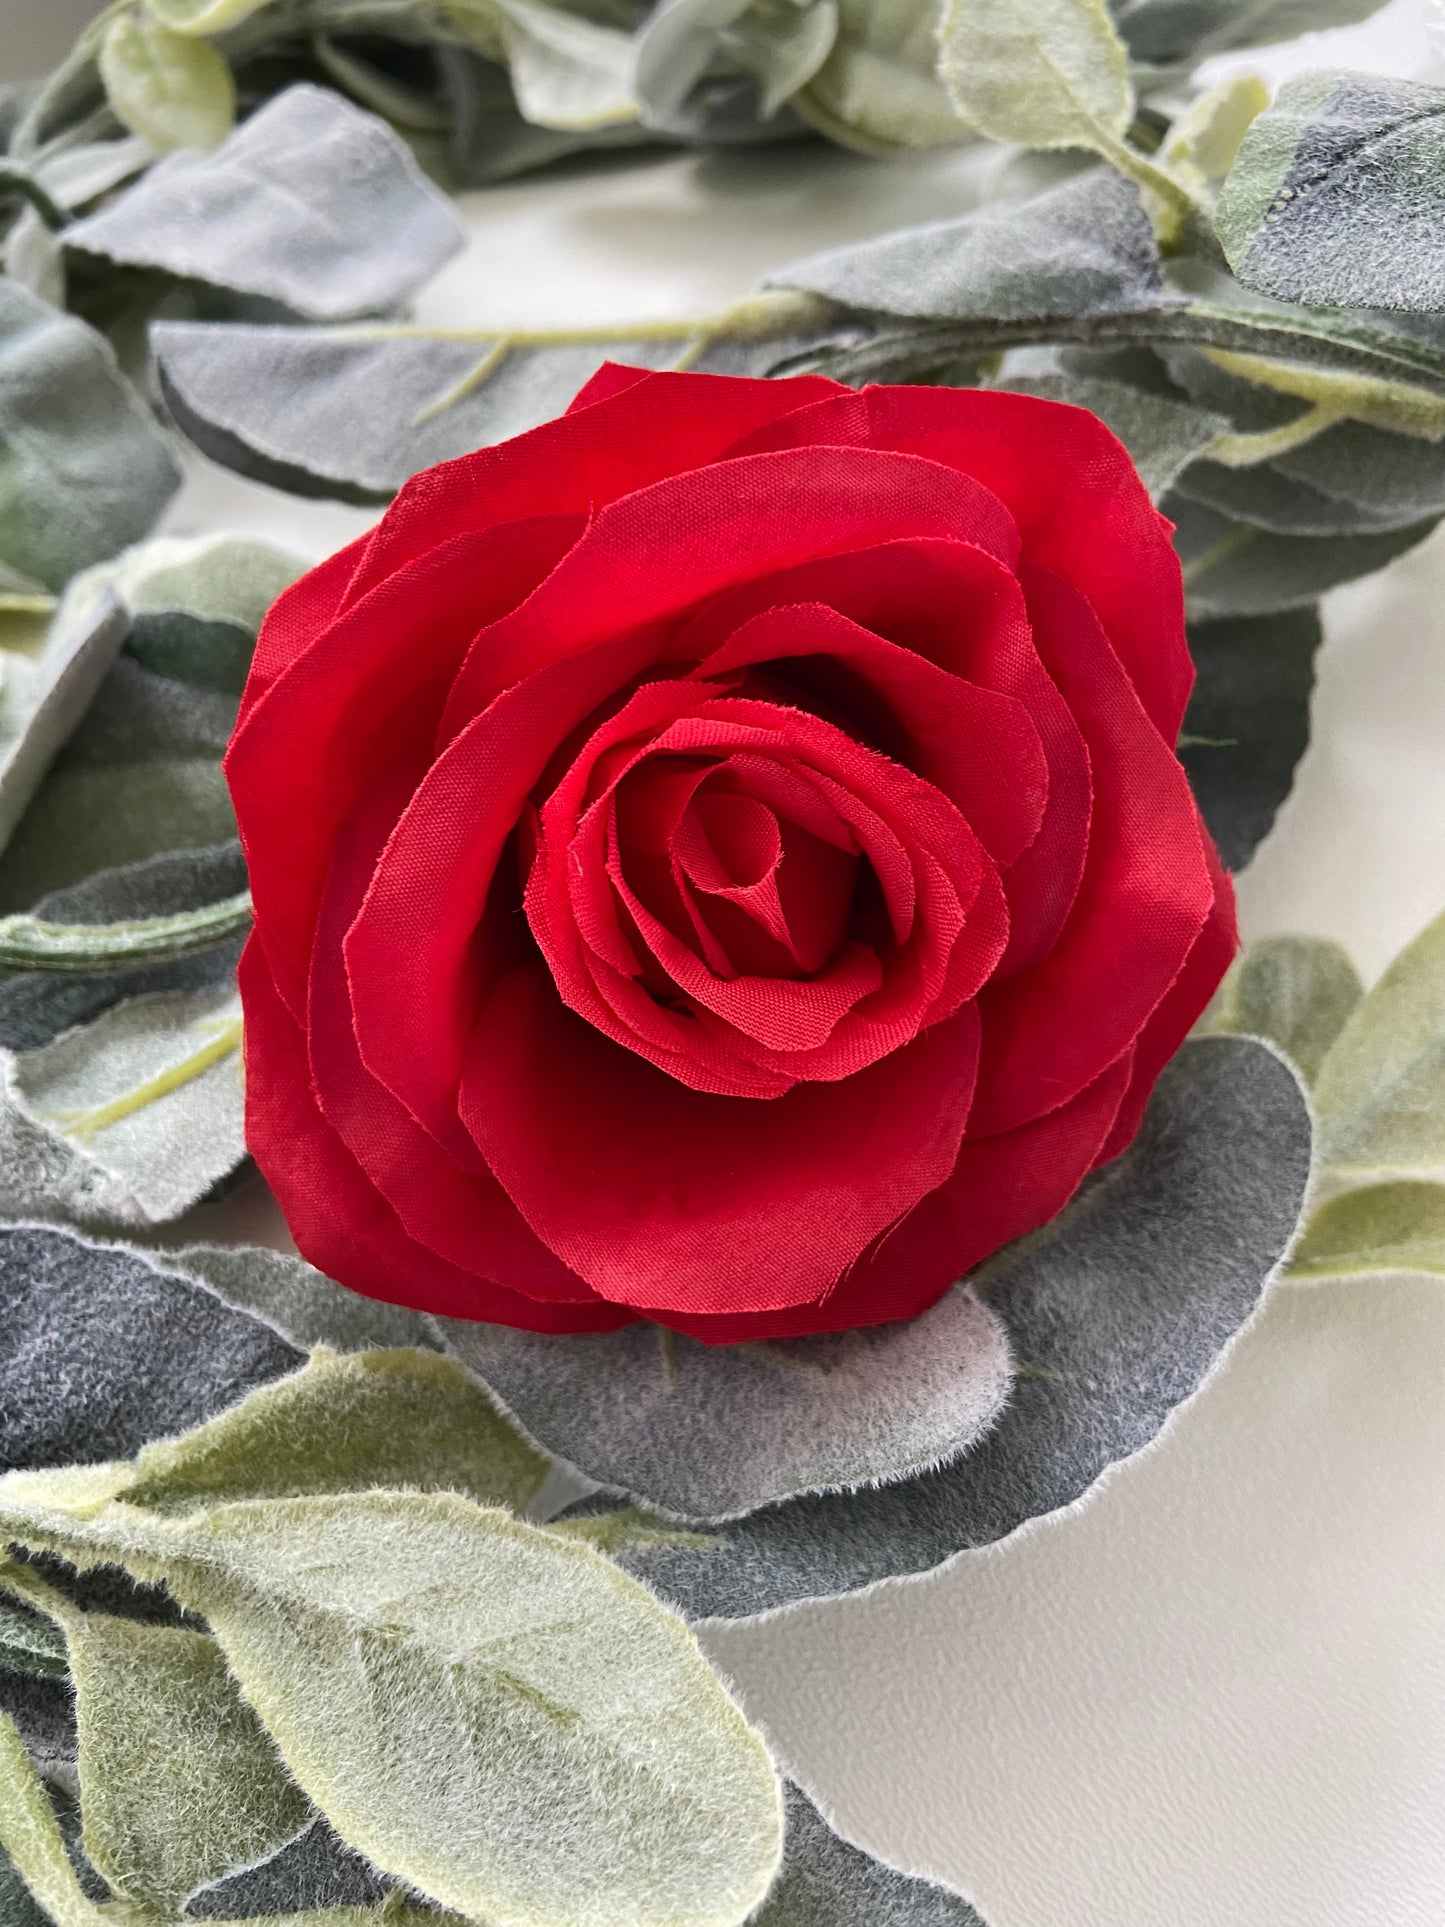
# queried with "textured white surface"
point(1215, 1697)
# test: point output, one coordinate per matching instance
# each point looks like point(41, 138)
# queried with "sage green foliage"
point(1295, 991)
point(1236, 568)
point(346, 1424)
point(878, 88)
point(83, 469)
point(1381, 1227)
point(1046, 73)
point(30, 1838)
point(298, 1301)
point(1177, 34)
point(1335, 197)
point(172, 90)
point(1380, 1096)
point(29, 1644)
point(181, 1784)
point(594, 1767)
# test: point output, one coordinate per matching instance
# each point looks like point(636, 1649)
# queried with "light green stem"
point(1246, 451)
point(33, 943)
point(84, 1125)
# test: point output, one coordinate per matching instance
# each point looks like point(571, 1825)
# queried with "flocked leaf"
point(1399, 479)
point(712, 1431)
point(1381, 1227)
point(31, 1840)
point(1233, 568)
point(1335, 199)
point(1116, 1313)
point(101, 1351)
point(1181, 33)
point(317, 1871)
point(567, 71)
point(878, 89)
point(366, 233)
point(83, 469)
point(171, 89)
point(1295, 991)
point(1381, 1091)
point(299, 1302)
point(29, 1643)
point(1045, 73)
point(596, 1769)
point(1247, 724)
point(1084, 246)
point(827, 1882)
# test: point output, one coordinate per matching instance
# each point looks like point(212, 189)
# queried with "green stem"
point(1246, 451)
point(33, 943)
point(82, 1126)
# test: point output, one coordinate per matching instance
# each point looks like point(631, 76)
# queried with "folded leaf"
point(171, 90)
point(368, 231)
point(1380, 1096)
point(1247, 724)
point(712, 1431)
point(825, 1882)
point(1382, 1227)
point(1045, 73)
point(100, 1351)
point(299, 1302)
point(878, 89)
point(1297, 992)
point(85, 470)
point(595, 1768)
point(1082, 247)
point(1116, 1313)
point(1232, 568)
point(1336, 200)
point(317, 1871)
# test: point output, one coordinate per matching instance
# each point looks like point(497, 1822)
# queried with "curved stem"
point(1247, 450)
point(33, 943)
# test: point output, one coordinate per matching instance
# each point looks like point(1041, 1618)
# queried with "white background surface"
point(1215, 1695)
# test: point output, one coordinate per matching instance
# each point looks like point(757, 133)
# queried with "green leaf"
point(83, 469)
point(712, 1431)
point(202, 16)
point(31, 1838)
point(180, 1783)
point(29, 1644)
point(1045, 73)
point(368, 232)
point(1380, 1097)
point(675, 46)
point(1181, 33)
point(1335, 198)
point(1204, 141)
point(318, 1873)
point(1382, 1227)
point(346, 1424)
point(101, 1350)
point(594, 1766)
point(826, 1882)
point(1234, 569)
point(567, 71)
point(878, 89)
point(1295, 991)
point(785, 46)
point(1272, 500)
point(299, 1302)
point(1247, 724)
point(1082, 247)
point(1398, 478)
point(129, 1119)
point(172, 90)
point(1116, 1313)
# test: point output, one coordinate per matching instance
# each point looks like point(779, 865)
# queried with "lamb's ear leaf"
point(567, 71)
point(179, 1782)
point(129, 1119)
point(1380, 1094)
point(1234, 568)
point(369, 232)
point(705, 1432)
point(1084, 246)
point(300, 1302)
point(343, 1424)
point(101, 1350)
point(29, 1643)
point(1335, 200)
point(1169, 35)
point(597, 1769)
point(1381, 1227)
point(32, 1845)
point(1116, 1313)
point(1044, 73)
point(1399, 479)
point(171, 89)
point(86, 469)
point(1248, 721)
point(827, 1882)
point(315, 1871)
point(878, 89)
point(1296, 991)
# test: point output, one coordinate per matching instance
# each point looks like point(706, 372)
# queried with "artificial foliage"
point(342, 1612)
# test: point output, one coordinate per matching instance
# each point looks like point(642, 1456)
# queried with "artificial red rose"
point(721, 857)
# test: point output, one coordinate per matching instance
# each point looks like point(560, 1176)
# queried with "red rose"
point(721, 857)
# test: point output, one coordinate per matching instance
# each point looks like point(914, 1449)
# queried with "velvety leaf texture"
point(1247, 724)
point(878, 88)
point(1232, 568)
point(100, 1351)
point(1381, 1227)
point(1335, 199)
point(83, 468)
point(826, 1882)
point(299, 1302)
point(1296, 991)
point(1171, 33)
point(1047, 73)
point(317, 1871)
point(1116, 1312)
point(1082, 247)
point(367, 232)
point(710, 1432)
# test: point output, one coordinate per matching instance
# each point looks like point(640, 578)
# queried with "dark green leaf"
point(825, 1882)
point(1234, 569)
point(1181, 33)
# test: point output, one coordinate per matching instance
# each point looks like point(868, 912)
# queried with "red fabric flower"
point(721, 857)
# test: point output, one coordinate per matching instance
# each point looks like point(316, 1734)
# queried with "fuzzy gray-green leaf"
point(367, 232)
point(1045, 73)
point(1180, 33)
point(711, 1431)
point(1116, 1313)
point(1297, 991)
point(878, 89)
point(1162, 434)
point(827, 1882)
point(1336, 197)
point(83, 469)
point(172, 90)
point(299, 1302)
point(1381, 1090)
point(1381, 1227)
point(1233, 568)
